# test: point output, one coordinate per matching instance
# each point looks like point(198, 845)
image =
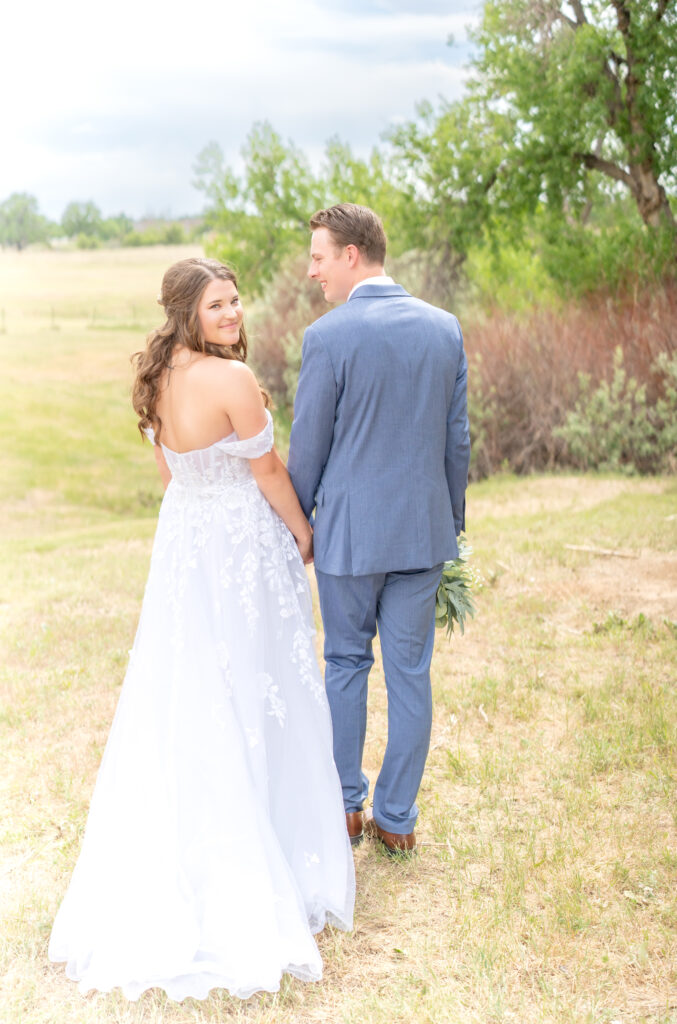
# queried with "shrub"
point(133, 239)
point(614, 427)
point(156, 234)
point(526, 375)
point(174, 235)
point(276, 324)
point(84, 241)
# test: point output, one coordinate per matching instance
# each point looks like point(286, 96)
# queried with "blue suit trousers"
point(401, 605)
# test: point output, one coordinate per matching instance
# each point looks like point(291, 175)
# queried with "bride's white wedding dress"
point(216, 842)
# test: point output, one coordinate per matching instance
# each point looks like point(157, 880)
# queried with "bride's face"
point(220, 313)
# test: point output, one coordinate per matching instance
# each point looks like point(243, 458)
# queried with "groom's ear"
point(352, 254)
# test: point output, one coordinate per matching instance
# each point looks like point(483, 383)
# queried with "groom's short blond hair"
point(350, 224)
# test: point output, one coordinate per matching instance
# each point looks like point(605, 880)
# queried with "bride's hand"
point(305, 545)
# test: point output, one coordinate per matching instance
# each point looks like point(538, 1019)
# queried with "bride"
point(216, 843)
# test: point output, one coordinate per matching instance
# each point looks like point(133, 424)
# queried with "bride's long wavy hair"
point(182, 288)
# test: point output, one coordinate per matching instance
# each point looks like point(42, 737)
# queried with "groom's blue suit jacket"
point(379, 445)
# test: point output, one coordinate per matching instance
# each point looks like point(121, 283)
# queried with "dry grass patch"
point(545, 885)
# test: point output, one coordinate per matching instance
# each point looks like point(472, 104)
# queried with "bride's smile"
point(220, 313)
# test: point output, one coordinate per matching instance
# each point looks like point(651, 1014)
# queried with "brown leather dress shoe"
point(354, 824)
point(394, 844)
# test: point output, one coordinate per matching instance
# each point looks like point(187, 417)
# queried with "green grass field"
point(546, 885)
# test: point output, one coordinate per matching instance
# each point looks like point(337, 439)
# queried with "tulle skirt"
point(216, 844)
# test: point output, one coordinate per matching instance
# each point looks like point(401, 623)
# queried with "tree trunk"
point(649, 194)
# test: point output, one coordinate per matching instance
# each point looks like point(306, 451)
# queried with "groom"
point(379, 448)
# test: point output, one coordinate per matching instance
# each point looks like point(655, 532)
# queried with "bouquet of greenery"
point(454, 594)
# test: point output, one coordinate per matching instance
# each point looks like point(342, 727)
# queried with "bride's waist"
point(232, 492)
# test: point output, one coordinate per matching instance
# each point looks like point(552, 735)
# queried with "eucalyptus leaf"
point(454, 600)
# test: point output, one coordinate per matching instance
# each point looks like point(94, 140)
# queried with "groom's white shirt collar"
point(381, 279)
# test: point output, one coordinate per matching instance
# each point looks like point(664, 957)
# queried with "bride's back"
point(190, 402)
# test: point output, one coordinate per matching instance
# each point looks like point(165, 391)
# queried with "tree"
point(588, 86)
point(260, 218)
point(21, 222)
point(116, 227)
point(370, 182)
point(82, 219)
point(565, 140)
point(446, 164)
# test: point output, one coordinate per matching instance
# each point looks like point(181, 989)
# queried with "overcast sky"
point(113, 102)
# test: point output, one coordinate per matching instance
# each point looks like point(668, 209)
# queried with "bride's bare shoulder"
point(227, 375)
point(225, 369)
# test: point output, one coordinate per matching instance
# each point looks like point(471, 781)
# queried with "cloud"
point(117, 109)
point(465, 8)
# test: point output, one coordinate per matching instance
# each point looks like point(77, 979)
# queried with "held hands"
point(305, 545)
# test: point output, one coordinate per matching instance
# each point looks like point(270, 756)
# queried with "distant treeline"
point(22, 224)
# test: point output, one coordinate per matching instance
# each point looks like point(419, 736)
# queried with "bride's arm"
point(273, 481)
point(245, 409)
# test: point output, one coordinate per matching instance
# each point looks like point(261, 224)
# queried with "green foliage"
point(174, 235)
point(585, 89)
point(554, 173)
point(84, 241)
point(508, 275)
point(349, 179)
point(614, 427)
point(555, 258)
point(115, 228)
point(454, 593)
point(372, 182)
point(446, 165)
point(21, 222)
point(134, 239)
point(612, 251)
point(615, 623)
point(82, 220)
point(171, 233)
point(261, 218)
point(83, 223)
point(563, 148)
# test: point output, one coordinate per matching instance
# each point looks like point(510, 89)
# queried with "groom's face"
point(330, 266)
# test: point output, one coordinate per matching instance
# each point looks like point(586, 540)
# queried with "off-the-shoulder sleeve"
point(150, 434)
point(251, 447)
